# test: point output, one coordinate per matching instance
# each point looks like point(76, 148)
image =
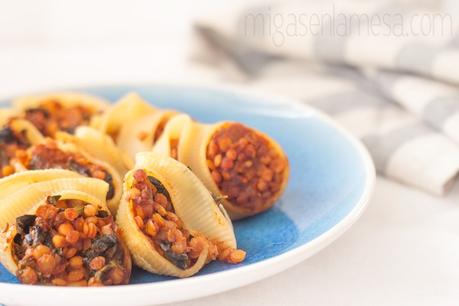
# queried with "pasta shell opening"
point(130, 107)
point(246, 169)
point(55, 112)
point(140, 135)
point(170, 142)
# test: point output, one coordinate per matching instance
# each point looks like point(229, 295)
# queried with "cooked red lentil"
point(69, 243)
point(155, 216)
point(245, 166)
point(12, 144)
point(48, 156)
point(52, 116)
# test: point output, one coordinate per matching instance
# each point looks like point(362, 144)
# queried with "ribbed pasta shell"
point(142, 250)
point(172, 130)
point(33, 135)
point(14, 182)
point(113, 203)
point(130, 107)
point(20, 202)
point(27, 199)
point(193, 150)
point(6, 247)
point(192, 203)
point(99, 146)
point(117, 182)
point(128, 138)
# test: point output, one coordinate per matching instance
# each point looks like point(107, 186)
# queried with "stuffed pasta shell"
point(244, 168)
point(169, 220)
point(51, 154)
point(63, 111)
point(60, 232)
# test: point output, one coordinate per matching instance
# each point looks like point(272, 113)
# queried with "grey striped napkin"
point(372, 66)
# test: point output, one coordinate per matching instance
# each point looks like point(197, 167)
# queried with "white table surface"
point(403, 251)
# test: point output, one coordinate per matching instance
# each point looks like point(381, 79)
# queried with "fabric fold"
point(407, 122)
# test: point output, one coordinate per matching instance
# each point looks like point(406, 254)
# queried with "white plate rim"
point(203, 285)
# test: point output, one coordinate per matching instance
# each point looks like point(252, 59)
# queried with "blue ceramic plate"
point(330, 183)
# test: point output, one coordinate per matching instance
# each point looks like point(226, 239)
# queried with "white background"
point(403, 251)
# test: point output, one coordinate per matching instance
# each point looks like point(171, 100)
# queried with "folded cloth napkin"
point(386, 72)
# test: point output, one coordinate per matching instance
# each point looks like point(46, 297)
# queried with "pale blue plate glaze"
point(330, 172)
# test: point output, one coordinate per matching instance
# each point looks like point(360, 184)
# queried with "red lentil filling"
point(49, 156)
point(157, 132)
point(69, 243)
point(160, 128)
point(12, 144)
point(155, 216)
point(245, 166)
point(52, 116)
point(173, 144)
